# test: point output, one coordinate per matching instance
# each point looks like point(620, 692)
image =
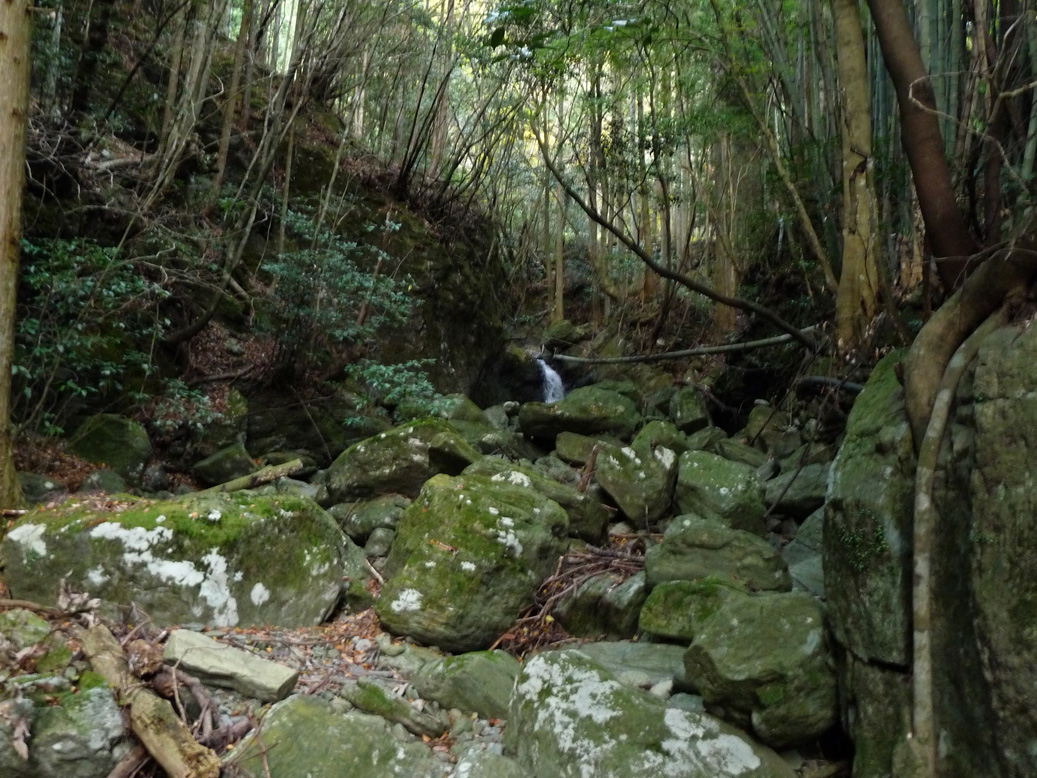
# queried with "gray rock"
point(229, 667)
point(304, 737)
point(360, 519)
point(803, 555)
point(225, 465)
point(104, 480)
point(469, 555)
point(479, 763)
point(570, 718)
point(867, 529)
point(36, 488)
point(588, 517)
point(22, 628)
point(693, 549)
point(676, 610)
point(799, 492)
point(371, 697)
point(380, 542)
point(114, 441)
point(207, 559)
point(639, 478)
point(398, 461)
point(82, 736)
point(603, 605)
point(479, 681)
point(652, 663)
point(714, 487)
point(588, 410)
point(764, 662)
point(688, 409)
point(771, 431)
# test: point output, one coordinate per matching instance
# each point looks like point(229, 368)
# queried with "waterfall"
point(554, 390)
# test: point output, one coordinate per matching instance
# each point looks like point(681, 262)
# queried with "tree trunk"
point(15, 30)
point(859, 278)
point(945, 227)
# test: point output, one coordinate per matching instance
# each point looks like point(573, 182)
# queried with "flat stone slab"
point(229, 667)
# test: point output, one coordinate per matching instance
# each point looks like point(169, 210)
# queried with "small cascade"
point(554, 389)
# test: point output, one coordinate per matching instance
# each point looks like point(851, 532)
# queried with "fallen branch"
point(152, 719)
point(258, 478)
point(688, 352)
point(29, 605)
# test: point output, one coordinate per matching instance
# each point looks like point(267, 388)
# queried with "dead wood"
point(152, 719)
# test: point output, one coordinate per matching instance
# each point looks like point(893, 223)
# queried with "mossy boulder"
point(469, 555)
point(676, 610)
point(360, 519)
point(399, 461)
point(603, 605)
point(223, 559)
point(306, 736)
point(73, 735)
point(588, 517)
point(764, 662)
point(589, 410)
point(571, 718)
point(868, 519)
point(114, 441)
point(225, 465)
point(479, 681)
point(693, 549)
point(639, 478)
point(688, 409)
point(714, 487)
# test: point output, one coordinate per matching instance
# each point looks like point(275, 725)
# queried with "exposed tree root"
point(923, 729)
point(537, 628)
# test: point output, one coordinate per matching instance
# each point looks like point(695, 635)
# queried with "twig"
point(690, 352)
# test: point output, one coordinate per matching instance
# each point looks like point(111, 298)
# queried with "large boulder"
point(604, 604)
point(221, 559)
point(714, 487)
point(799, 492)
point(688, 409)
point(480, 681)
point(588, 517)
point(306, 736)
point(589, 410)
point(676, 610)
point(867, 530)
point(76, 734)
point(764, 662)
point(571, 718)
point(119, 443)
point(694, 548)
point(469, 555)
point(639, 478)
point(398, 461)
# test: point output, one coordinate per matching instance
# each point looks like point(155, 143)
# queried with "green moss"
point(864, 547)
point(771, 694)
point(91, 680)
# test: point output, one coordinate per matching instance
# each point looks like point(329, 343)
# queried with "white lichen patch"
point(513, 477)
point(214, 515)
point(494, 512)
point(507, 521)
point(468, 567)
point(697, 740)
point(510, 541)
point(160, 518)
point(96, 576)
point(665, 457)
point(133, 538)
point(430, 563)
point(30, 538)
point(259, 594)
point(215, 589)
point(407, 600)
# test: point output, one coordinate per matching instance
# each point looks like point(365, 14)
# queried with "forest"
point(694, 171)
point(196, 194)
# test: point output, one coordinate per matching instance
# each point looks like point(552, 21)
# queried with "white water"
point(554, 390)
